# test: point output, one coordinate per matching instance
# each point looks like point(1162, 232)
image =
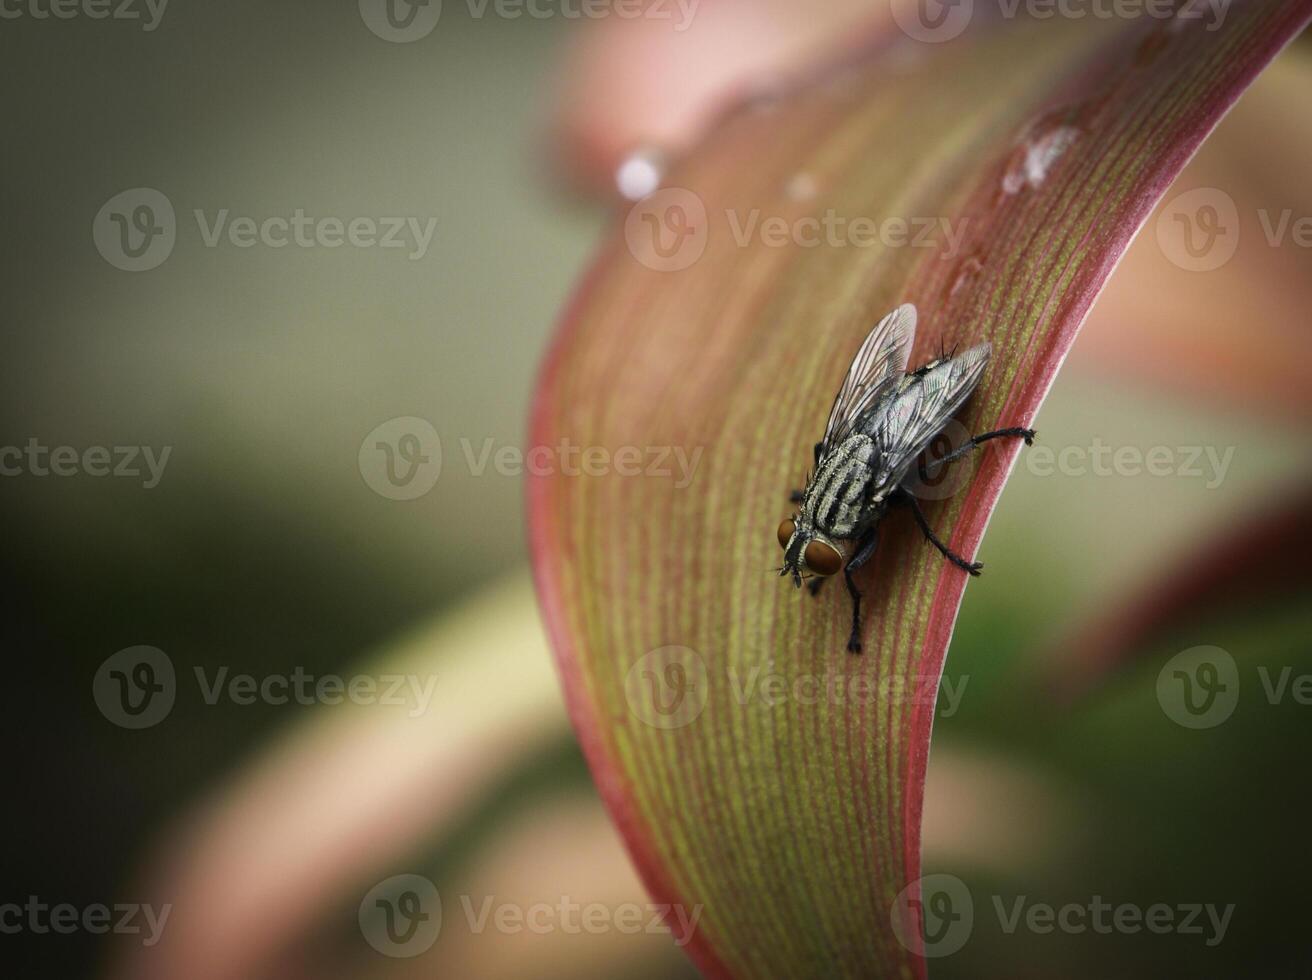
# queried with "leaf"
point(794, 821)
point(356, 788)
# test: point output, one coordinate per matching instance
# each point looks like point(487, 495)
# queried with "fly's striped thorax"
point(839, 492)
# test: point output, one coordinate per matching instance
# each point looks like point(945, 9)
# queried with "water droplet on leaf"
point(640, 173)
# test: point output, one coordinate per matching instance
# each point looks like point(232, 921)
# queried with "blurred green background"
point(262, 547)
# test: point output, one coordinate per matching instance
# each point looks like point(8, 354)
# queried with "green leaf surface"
point(754, 767)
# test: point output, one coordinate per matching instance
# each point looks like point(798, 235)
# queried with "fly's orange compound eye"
point(822, 558)
point(786, 530)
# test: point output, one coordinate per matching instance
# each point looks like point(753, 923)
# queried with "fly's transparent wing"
point(909, 420)
point(881, 361)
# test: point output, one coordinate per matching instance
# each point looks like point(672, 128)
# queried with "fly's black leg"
point(968, 566)
point(815, 585)
point(969, 447)
point(864, 550)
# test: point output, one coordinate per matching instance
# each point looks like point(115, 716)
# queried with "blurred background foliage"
point(262, 549)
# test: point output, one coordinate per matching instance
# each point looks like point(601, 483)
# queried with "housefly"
point(882, 419)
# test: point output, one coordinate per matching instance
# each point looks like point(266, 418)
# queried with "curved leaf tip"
point(758, 772)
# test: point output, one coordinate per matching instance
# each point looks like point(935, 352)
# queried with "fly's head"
point(807, 552)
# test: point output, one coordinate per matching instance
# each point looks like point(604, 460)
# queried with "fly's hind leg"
point(970, 444)
point(903, 496)
point(865, 548)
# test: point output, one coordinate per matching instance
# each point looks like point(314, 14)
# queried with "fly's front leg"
point(973, 567)
point(1015, 432)
point(865, 548)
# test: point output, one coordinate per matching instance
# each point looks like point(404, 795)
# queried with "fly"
point(882, 419)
